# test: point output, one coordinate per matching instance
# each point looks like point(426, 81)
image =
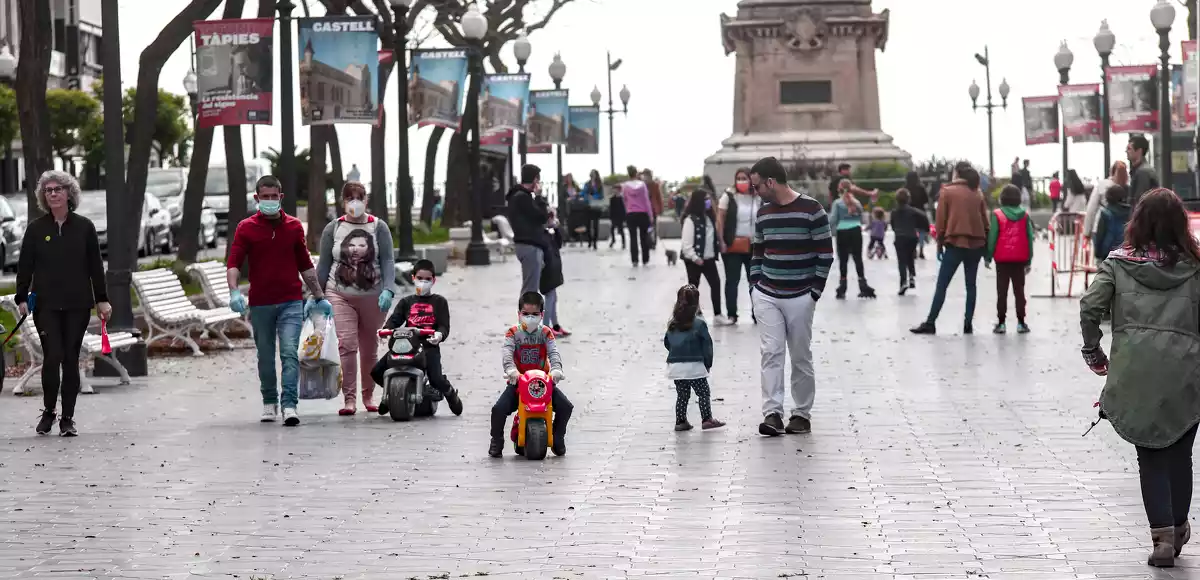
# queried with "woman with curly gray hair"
point(61, 267)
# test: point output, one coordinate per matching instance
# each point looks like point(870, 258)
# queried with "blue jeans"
point(952, 258)
point(284, 320)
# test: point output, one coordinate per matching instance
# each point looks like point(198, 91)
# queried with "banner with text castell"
point(339, 70)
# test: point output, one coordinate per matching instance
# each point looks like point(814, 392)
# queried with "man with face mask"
point(273, 243)
point(528, 213)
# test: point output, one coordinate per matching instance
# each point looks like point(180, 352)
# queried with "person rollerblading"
point(841, 290)
point(865, 291)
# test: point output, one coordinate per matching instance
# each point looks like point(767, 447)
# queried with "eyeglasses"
point(56, 189)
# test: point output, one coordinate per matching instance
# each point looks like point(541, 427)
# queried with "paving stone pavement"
point(930, 458)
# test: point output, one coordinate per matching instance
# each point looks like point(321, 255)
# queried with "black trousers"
point(849, 246)
point(593, 227)
point(432, 365)
point(1010, 273)
point(507, 405)
point(906, 257)
point(618, 228)
point(62, 338)
point(735, 264)
point(709, 271)
point(639, 236)
point(1166, 476)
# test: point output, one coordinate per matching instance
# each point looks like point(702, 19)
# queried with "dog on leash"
point(672, 257)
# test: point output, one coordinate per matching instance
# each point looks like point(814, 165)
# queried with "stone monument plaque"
point(804, 85)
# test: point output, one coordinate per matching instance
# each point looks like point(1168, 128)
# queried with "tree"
point(10, 128)
point(427, 196)
point(33, 73)
point(70, 112)
point(303, 166)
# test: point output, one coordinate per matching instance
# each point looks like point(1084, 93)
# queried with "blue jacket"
point(590, 193)
point(692, 345)
point(1110, 229)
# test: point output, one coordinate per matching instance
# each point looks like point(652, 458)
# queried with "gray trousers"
point(532, 260)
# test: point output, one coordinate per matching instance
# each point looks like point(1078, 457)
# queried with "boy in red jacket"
point(1010, 245)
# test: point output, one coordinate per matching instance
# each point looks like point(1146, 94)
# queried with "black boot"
point(903, 287)
point(841, 290)
point(865, 291)
point(496, 448)
point(66, 427)
point(46, 423)
point(560, 444)
point(455, 403)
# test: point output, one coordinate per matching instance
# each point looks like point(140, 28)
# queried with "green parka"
point(1152, 395)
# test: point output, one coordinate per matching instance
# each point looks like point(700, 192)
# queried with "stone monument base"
point(813, 147)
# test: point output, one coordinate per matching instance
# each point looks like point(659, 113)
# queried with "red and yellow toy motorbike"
point(532, 434)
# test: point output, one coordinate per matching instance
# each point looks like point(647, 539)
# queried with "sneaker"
point(560, 332)
point(798, 425)
point(66, 427)
point(968, 328)
point(496, 448)
point(560, 445)
point(290, 418)
point(1022, 328)
point(719, 320)
point(269, 413)
point(712, 424)
point(903, 287)
point(924, 328)
point(912, 283)
point(684, 426)
point(455, 403)
point(46, 423)
point(772, 426)
point(1000, 328)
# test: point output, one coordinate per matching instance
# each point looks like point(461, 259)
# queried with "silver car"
point(168, 185)
point(12, 231)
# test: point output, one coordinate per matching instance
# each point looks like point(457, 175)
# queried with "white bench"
point(211, 277)
point(170, 314)
point(31, 343)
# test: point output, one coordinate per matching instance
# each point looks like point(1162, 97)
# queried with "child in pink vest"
point(1010, 245)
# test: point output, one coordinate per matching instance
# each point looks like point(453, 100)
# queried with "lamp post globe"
point(973, 90)
point(625, 96)
point(522, 49)
point(1162, 16)
point(595, 95)
point(474, 25)
point(189, 80)
point(1064, 57)
point(558, 69)
point(8, 64)
point(1004, 89)
point(1105, 41)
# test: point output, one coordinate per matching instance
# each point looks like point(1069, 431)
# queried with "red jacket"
point(277, 253)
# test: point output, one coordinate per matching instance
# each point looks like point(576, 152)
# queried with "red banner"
point(1081, 111)
point(234, 71)
point(1133, 98)
point(1041, 120)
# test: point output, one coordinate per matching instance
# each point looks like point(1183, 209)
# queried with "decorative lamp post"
point(985, 60)
point(8, 75)
point(1062, 61)
point(474, 28)
point(1162, 16)
point(189, 86)
point(596, 96)
point(1104, 42)
point(558, 70)
point(612, 66)
point(404, 186)
point(522, 49)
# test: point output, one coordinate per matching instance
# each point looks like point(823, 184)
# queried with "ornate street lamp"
point(474, 28)
point(1162, 16)
point(1062, 61)
point(558, 70)
point(522, 49)
point(189, 86)
point(1104, 42)
point(985, 60)
point(612, 66)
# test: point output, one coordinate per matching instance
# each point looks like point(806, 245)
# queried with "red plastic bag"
point(105, 347)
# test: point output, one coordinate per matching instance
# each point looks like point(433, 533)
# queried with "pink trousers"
point(357, 320)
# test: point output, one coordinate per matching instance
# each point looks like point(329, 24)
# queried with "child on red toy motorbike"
point(529, 345)
point(429, 311)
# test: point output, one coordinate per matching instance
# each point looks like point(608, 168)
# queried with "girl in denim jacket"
point(689, 357)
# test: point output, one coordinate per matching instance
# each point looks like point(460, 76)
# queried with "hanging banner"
point(1133, 98)
point(233, 71)
point(339, 70)
point(549, 118)
point(435, 88)
point(503, 103)
point(1191, 84)
point(1080, 112)
point(1041, 120)
point(584, 135)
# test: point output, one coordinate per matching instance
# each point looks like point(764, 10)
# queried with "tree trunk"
point(193, 198)
point(427, 196)
point(33, 72)
point(339, 178)
point(316, 188)
point(146, 109)
point(457, 199)
point(379, 205)
point(235, 165)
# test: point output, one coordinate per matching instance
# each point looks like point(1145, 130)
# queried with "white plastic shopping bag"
point(318, 341)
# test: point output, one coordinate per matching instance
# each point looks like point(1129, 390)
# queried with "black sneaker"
point(772, 425)
point(496, 449)
point(560, 445)
point(968, 328)
point(924, 328)
point(46, 423)
point(66, 427)
point(798, 425)
point(455, 403)
point(903, 287)
point(912, 283)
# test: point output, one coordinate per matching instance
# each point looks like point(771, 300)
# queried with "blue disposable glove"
point(385, 300)
point(237, 302)
point(323, 306)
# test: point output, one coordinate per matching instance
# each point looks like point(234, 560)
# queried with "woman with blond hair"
point(357, 270)
point(61, 267)
point(1119, 175)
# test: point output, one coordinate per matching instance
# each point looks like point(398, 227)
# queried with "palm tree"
point(274, 158)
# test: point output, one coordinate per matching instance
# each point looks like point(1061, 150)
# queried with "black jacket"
point(552, 273)
point(616, 209)
point(1142, 178)
point(426, 312)
point(62, 265)
point(527, 213)
point(918, 197)
point(908, 222)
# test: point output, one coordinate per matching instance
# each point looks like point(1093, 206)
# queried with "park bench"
point(211, 277)
point(170, 314)
point(31, 343)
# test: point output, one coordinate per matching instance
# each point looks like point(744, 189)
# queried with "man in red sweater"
point(273, 242)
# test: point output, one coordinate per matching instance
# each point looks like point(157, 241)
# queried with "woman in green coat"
point(1151, 285)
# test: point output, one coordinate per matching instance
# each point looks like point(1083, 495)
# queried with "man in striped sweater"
point(791, 254)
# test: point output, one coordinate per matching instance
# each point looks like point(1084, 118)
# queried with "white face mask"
point(530, 323)
point(356, 208)
point(423, 287)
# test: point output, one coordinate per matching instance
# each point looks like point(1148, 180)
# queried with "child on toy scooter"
point(428, 311)
point(530, 345)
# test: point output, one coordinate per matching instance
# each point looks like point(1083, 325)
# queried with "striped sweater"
point(792, 249)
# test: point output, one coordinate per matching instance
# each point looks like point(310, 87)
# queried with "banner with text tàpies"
point(435, 88)
point(1191, 85)
point(1080, 112)
point(503, 102)
point(584, 135)
point(1133, 98)
point(1041, 120)
point(549, 118)
point(339, 70)
point(233, 71)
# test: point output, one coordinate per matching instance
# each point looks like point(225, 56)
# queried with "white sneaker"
point(269, 413)
point(290, 418)
point(722, 321)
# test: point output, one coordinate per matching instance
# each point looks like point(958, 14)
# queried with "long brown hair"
point(695, 205)
point(687, 303)
point(1160, 222)
point(1119, 173)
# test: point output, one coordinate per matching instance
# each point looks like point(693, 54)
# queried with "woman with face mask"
point(357, 271)
point(735, 224)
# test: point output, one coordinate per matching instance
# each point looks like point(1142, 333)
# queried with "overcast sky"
point(682, 82)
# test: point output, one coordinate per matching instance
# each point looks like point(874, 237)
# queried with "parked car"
point(168, 185)
point(156, 224)
point(216, 191)
point(12, 232)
